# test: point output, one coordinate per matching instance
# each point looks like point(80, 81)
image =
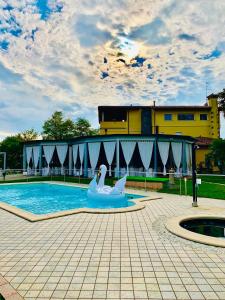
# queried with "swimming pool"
point(46, 198)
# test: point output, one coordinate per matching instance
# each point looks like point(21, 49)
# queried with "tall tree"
point(28, 135)
point(83, 128)
point(13, 147)
point(221, 101)
point(217, 154)
point(58, 128)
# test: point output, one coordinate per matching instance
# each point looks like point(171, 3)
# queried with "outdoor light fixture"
point(194, 176)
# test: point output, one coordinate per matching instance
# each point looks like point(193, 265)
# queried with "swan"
point(101, 191)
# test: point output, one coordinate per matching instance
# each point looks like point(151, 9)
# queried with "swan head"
point(103, 169)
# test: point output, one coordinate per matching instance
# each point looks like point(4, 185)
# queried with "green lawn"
point(208, 189)
point(216, 179)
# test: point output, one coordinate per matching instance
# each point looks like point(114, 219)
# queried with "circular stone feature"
point(205, 229)
point(209, 227)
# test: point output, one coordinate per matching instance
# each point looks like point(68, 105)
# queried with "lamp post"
point(4, 159)
point(194, 176)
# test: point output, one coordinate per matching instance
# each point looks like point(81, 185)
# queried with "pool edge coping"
point(8, 291)
point(35, 218)
point(174, 227)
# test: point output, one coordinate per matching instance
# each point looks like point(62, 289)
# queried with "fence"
point(209, 185)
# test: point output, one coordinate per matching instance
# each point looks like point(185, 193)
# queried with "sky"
point(72, 56)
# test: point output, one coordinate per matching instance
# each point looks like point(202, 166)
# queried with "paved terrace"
point(111, 256)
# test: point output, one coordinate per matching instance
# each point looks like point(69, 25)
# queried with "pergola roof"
point(114, 136)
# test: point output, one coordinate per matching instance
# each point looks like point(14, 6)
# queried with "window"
point(114, 115)
point(203, 117)
point(168, 117)
point(178, 133)
point(185, 117)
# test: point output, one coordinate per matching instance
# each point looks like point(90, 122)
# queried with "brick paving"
point(111, 256)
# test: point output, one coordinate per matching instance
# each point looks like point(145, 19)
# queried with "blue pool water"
point(44, 198)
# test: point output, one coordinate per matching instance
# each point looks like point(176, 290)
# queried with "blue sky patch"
point(13, 27)
point(45, 11)
point(16, 32)
point(104, 75)
point(8, 7)
point(9, 77)
point(139, 61)
point(187, 72)
point(187, 37)
point(43, 8)
point(4, 45)
point(214, 54)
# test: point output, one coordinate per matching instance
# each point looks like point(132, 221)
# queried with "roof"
point(110, 136)
point(204, 141)
point(163, 107)
point(183, 107)
point(212, 96)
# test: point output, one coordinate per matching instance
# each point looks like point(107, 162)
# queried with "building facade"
point(200, 122)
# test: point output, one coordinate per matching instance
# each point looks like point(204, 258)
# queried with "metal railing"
point(181, 182)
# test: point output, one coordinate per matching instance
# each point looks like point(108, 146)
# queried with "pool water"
point(209, 227)
point(44, 198)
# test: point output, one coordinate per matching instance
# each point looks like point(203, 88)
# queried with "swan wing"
point(120, 184)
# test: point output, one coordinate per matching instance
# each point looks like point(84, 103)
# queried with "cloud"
point(88, 32)
point(66, 55)
point(8, 77)
point(153, 33)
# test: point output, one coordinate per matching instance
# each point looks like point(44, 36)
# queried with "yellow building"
point(201, 122)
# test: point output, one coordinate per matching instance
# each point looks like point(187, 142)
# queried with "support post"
point(184, 168)
point(117, 158)
point(155, 158)
point(85, 159)
point(70, 160)
point(24, 158)
point(194, 176)
point(40, 159)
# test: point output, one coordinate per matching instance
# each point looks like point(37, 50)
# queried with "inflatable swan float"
point(101, 191)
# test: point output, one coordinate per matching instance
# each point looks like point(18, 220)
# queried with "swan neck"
point(101, 182)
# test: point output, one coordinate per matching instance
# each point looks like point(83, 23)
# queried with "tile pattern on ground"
point(112, 256)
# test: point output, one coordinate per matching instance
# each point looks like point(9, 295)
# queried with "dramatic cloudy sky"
point(74, 55)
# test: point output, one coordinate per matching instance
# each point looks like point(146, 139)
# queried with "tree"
point(56, 128)
point(221, 101)
point(217, 154)
point(13, 147)
point(28, 135)
point(83, 128)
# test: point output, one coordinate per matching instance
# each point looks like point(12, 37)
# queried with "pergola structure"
point(132, 154)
